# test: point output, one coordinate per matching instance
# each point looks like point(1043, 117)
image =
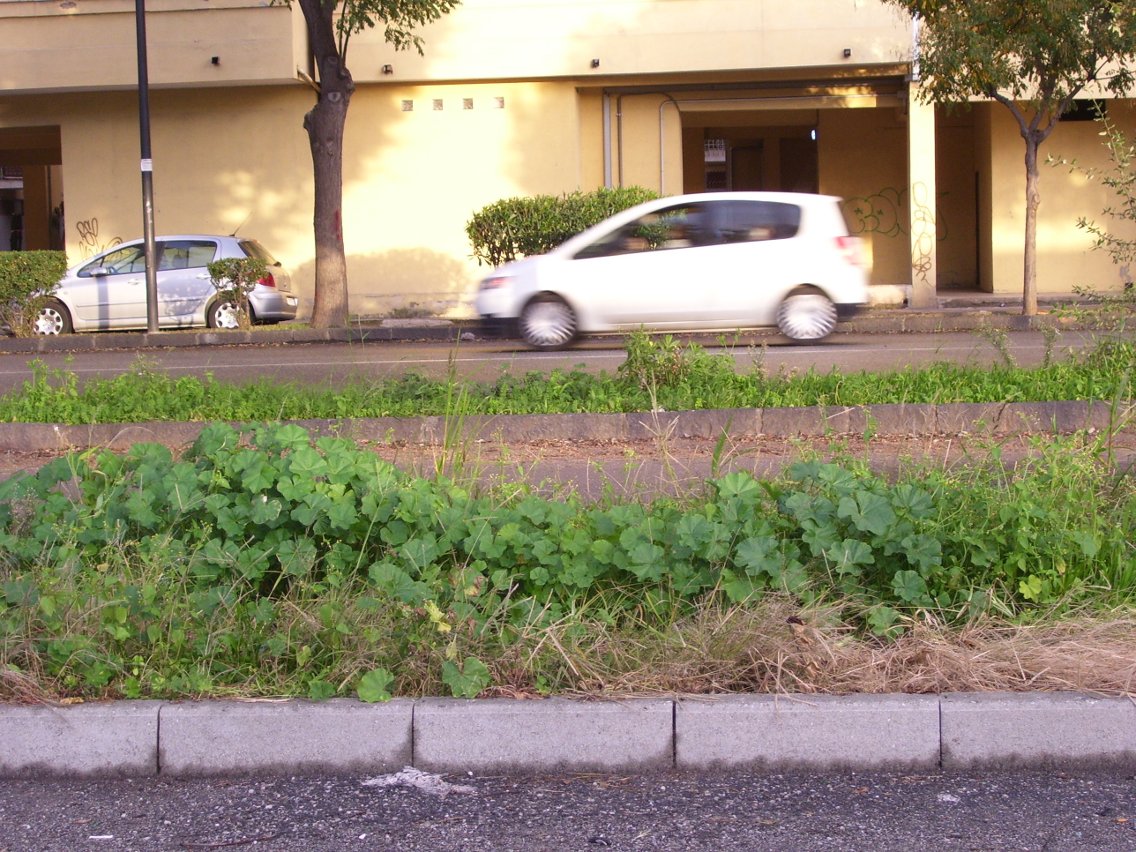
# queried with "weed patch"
point(263, 561)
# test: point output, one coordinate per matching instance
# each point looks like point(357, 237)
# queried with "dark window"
point(670, 228)
point(255, 250)
point(187, 254)
point(753, 221)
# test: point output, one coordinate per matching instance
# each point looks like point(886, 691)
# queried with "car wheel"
point(53, 318)
point(548, 322)
point(806, 314)
point(222, 315)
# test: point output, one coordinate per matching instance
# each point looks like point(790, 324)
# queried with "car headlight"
point(495, 282)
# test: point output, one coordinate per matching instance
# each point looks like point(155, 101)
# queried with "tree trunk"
point(1033, 201)
point(325, 123)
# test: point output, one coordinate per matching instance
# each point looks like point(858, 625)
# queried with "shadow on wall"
point(418, 282)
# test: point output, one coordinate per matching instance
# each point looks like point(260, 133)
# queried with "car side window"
point(755, 221)
point(670, 228)
point(187, 254)
point(127, 259)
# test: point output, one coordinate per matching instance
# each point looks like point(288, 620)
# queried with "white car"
point(108, 291)
point(721, 260)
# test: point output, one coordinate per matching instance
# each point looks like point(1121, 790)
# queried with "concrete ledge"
point(879, 420)
point(119, 738)
point(554, 735)
point(808, 732)
point(240, 737)
point(1037, 730)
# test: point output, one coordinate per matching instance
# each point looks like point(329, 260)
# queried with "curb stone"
point(971, 731)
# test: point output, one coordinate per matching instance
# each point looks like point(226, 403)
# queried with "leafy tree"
point(330, 24)
point(1032, 56)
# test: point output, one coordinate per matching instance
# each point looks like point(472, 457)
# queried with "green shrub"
point(234, 278)
point(519, 227)
point(27, 280)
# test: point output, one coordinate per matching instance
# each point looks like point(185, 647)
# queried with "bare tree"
point(330, 24)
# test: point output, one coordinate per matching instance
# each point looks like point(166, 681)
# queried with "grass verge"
point(266, 562)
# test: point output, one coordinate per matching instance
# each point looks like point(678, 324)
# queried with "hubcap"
point(226, 316)
point(49, 321)
point(807, 316)
point(548, 324)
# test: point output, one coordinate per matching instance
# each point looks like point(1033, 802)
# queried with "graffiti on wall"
point(883, 213)
point(924, 230)
point(89, 238)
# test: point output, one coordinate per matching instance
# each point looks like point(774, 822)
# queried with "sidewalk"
point(816, 733)
point(956, 312)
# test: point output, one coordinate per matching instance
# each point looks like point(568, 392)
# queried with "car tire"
point(53, 318)
point(806, 314)
point(221, 314)
point(548, 322)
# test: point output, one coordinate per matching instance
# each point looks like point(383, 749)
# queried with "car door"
point(184, 286)
point(761, 259)
point(647, 272)
point(106, 291)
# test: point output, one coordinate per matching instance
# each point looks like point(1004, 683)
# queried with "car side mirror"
point(98, 271)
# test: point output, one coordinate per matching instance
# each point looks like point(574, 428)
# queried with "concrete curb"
point(925, 733)
point(994, 419)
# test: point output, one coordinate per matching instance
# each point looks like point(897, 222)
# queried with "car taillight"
point(852, 249)
point(495, 281)
point(267, 281)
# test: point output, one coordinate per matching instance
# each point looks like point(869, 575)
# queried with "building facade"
point(523, 97)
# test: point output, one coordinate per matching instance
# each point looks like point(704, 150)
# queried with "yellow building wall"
point(93, 44)
point(1066, 260)
point(419, 161)
point(863, 159)
point(424, 151)
point(533, 39)
point(416, 175)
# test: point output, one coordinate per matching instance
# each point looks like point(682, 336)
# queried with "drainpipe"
point(619, 137)
point(607, 140)
point(662, 141)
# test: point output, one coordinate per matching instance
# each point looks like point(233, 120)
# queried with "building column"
point(921, 197)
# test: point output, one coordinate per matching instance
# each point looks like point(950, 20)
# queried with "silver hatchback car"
point(108, 291)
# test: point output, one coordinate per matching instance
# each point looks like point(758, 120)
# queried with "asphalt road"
point(673, 811)
point(336, 363)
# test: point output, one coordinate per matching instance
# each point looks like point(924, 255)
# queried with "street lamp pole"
point(147, 170)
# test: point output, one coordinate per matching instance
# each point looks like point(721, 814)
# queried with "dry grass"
point(774, 649)
point(18, 687)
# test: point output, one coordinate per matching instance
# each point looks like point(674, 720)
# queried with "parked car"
point(109, 290)
point(721, 260)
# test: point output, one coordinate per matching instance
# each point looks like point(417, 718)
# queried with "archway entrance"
point(31, 189)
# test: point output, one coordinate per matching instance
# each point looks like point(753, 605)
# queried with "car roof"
point(748, 195)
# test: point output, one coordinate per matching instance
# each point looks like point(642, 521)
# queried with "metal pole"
point(147, 170)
